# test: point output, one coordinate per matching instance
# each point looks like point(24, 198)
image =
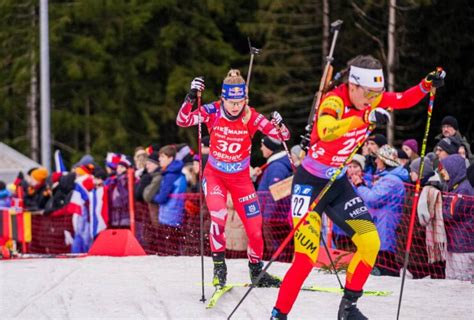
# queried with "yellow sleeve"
point(330, 124)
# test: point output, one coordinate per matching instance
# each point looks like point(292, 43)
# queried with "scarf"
point(430, 215)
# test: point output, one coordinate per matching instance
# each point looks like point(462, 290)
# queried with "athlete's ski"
point(217, 295)
point(339, 290)
point(324, 289)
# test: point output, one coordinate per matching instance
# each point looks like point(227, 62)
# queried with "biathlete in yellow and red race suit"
point(343, 118)
point(232, 124)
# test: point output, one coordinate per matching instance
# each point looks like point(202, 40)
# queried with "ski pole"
point(416, 197)
point(201, 214)
point(303, 219)
point(332, 262)
point(253, 51)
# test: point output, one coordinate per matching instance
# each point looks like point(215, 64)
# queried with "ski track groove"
point(41, 294)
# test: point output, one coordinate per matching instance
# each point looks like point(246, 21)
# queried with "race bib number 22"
point(300, 200)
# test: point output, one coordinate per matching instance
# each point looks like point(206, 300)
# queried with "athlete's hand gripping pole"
point(277, 120)
point(303, 219)
point(438, 74)
point(327, 74)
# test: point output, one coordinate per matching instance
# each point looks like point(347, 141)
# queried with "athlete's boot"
point(348, 308)
point(220, 269)
point(267, 280)
point(277, 315)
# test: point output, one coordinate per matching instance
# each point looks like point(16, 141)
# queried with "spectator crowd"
point(97, 197)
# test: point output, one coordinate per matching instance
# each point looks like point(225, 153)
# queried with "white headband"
point(371, 78)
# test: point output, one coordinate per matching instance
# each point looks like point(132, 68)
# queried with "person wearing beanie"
point(39, 175)
point(374, 143)
point(410, 147)
point(457, 214)
point(295, 152)
point(447, 146)
point(37, 193)
point(356, 167)
point(403, 158)
point(450, 128)
point(149, 184)
point(278, 166)
point(427, 173)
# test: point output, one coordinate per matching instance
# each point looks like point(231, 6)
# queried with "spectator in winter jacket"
point(37, 193)
point(373, 144)
point(277, 168)
point(119, 213)
point(450, 128)
point(410, 147)
point(458, 213)
point(384, 201)
point(278, 164)
point(173, 183)
point(139, 158)
point(429, 239)
point(447, 146)
point(150, 181)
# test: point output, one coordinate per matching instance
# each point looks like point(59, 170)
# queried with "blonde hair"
point(234, 77)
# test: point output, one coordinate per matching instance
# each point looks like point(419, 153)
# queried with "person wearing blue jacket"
point(384, 200)
point(458, 215)
point(173, 183)
point(275, 213)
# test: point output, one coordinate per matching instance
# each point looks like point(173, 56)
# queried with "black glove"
point(377, 116)
point(196, 85)
point(305, 139)
point(436, 78)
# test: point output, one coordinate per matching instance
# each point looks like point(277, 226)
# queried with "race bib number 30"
point(300, 200)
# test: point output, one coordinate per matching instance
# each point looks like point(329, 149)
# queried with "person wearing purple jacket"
point(458, 214)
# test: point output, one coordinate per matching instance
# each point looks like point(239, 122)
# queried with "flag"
point(80, 194)
point(59, 165)
point(98, 210)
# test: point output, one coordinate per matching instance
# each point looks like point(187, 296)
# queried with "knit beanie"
point(402, 154)
point(272, 144)
point(450, 121)
point(412, 144)
point(427, 167)
point(449, 144)
point(360, 159)
point(379, 139)
point(153, 157)
point(39, 174)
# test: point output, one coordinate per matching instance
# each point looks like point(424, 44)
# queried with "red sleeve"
point(187, 118)
point(259, 122)
point(403, 100)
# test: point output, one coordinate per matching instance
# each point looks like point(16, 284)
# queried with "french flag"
point(98, 210)
point(80, 194)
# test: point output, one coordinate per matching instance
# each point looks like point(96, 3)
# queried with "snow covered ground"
point(155, 287)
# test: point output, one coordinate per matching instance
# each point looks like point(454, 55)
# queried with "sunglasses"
point(239, 103)
point(372, 94)
point(369, 93)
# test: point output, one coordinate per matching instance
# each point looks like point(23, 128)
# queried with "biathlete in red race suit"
point(343, 118)
point(232, 124)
